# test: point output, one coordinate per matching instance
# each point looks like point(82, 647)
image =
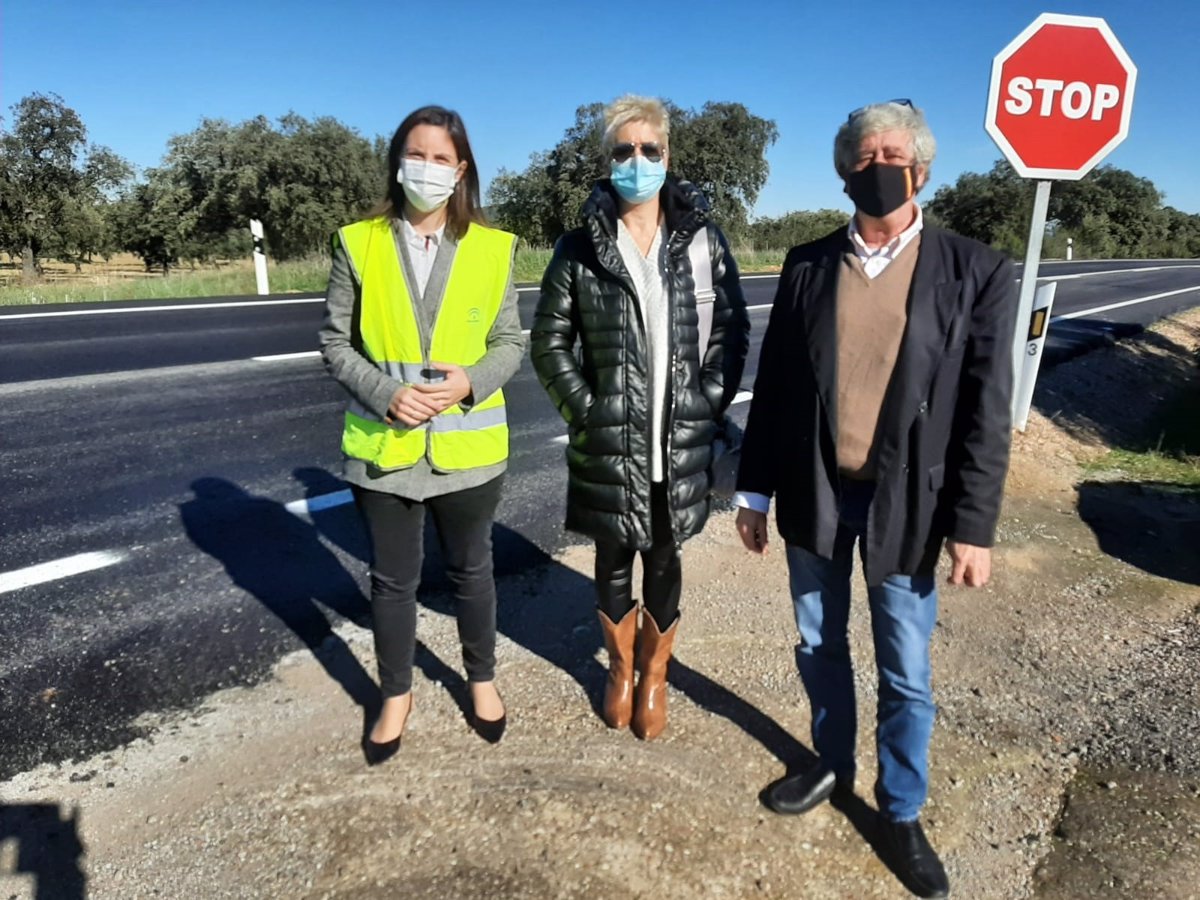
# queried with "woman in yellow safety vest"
point(421, 329)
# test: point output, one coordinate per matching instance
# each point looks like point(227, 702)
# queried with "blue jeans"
point(903, 614)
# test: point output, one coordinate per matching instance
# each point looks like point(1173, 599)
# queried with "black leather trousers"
point(662, 574)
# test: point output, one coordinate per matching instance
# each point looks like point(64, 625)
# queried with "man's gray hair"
point(632, 108)
point(876, 118)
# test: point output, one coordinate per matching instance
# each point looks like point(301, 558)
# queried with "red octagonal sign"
point(1061, 96)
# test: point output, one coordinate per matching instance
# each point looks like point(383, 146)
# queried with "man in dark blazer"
point(881, 415)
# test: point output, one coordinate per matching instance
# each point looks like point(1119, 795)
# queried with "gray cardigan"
point(374, 388)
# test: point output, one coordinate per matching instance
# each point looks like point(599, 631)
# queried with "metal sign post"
point(1033, 254)
point(1059, 101)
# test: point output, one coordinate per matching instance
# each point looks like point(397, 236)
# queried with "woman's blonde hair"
point(632, 108)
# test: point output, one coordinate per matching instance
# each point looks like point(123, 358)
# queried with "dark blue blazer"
point(942, 445)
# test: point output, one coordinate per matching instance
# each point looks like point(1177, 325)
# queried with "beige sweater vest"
point(871, 316)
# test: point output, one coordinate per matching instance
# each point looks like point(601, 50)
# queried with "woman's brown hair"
point(464, 207)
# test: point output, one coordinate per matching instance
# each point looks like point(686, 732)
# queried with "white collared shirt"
point(422, 251)
point(874, 261)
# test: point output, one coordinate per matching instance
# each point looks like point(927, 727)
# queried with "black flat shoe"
point(799, 793)
point(491, 730)
point(913, 859)
point(376, 754)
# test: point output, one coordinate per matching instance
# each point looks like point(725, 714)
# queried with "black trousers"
point(397, 528)
point(662, 574)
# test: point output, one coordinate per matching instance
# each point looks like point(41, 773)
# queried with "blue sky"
point(139, 71)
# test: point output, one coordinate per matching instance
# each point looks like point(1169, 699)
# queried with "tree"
point(302, 179)
point(1110, 212)
point(1114, 208)
point(722, 149)
point(156, 221)
point(992, 207)
point(795, 228)
point(52, 181)
point(524, 201)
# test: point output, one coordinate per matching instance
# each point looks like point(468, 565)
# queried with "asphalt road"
point(146, 448)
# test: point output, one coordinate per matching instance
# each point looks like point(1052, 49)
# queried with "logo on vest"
point(474, 315)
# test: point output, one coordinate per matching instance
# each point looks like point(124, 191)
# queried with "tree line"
point(64, 198)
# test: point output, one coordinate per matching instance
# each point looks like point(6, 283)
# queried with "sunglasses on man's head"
point(652, 150)
point(899, 101)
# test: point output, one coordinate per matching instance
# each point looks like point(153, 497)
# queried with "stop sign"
point(1061, 96)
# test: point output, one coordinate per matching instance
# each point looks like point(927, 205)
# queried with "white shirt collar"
point(892, 247)
point(418, 240)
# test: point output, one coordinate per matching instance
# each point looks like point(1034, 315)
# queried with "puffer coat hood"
point(602, 387)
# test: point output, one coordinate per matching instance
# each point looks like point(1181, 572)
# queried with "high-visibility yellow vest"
point(452, 440)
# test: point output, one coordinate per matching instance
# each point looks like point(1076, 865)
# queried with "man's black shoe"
point(797, 794)
point(914, 860)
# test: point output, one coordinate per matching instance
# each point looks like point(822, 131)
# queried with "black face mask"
point(880, 189)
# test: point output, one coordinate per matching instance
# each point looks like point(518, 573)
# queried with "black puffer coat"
point(603, 390)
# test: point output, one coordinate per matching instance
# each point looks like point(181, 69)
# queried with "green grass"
point(1149, 466)
point(308, 276)
point(300, 276)
point(530, 263)
point(1172, 455)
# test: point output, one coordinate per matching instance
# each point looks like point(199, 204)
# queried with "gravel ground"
point(1063, 765)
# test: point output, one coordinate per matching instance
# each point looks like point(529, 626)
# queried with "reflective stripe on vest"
point(455, 439)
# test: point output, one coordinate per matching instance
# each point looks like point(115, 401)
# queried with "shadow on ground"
point(1094, 401)
point(285, 561)
point(48, 849)
point(1153, 526)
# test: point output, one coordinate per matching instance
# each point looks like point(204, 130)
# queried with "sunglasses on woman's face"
point(650, 149)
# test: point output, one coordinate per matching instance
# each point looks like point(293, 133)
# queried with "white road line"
point(561, 439)
point(59, 568)
point(279, 357)
point(309, 505)
point(1099, 309)
point(760, 306)
point(1112, 272)
point(105, 311)
point(532, 288)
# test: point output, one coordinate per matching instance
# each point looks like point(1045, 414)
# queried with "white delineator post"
point(260, 256)
point(1031, 359)
point(1033, 255)
point(1070, 241)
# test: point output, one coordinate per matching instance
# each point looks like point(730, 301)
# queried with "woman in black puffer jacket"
point(641, 408)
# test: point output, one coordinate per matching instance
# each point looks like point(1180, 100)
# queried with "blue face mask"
point(637, 179)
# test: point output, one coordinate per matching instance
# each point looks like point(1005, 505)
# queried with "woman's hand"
point(444, 394)
point(410, 407)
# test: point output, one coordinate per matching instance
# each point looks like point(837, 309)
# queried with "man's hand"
point(969, 564)
point(752, 528)
point(445, 394)
point(410, 407)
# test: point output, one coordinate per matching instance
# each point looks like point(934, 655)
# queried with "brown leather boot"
point(650, 699)
point(618, 692)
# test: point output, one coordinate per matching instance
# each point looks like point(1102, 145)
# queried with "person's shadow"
point(279, 559)
point(546, 608)
point(542, 605)
point(48, 848)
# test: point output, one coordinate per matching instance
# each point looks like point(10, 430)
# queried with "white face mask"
point(427, 185)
